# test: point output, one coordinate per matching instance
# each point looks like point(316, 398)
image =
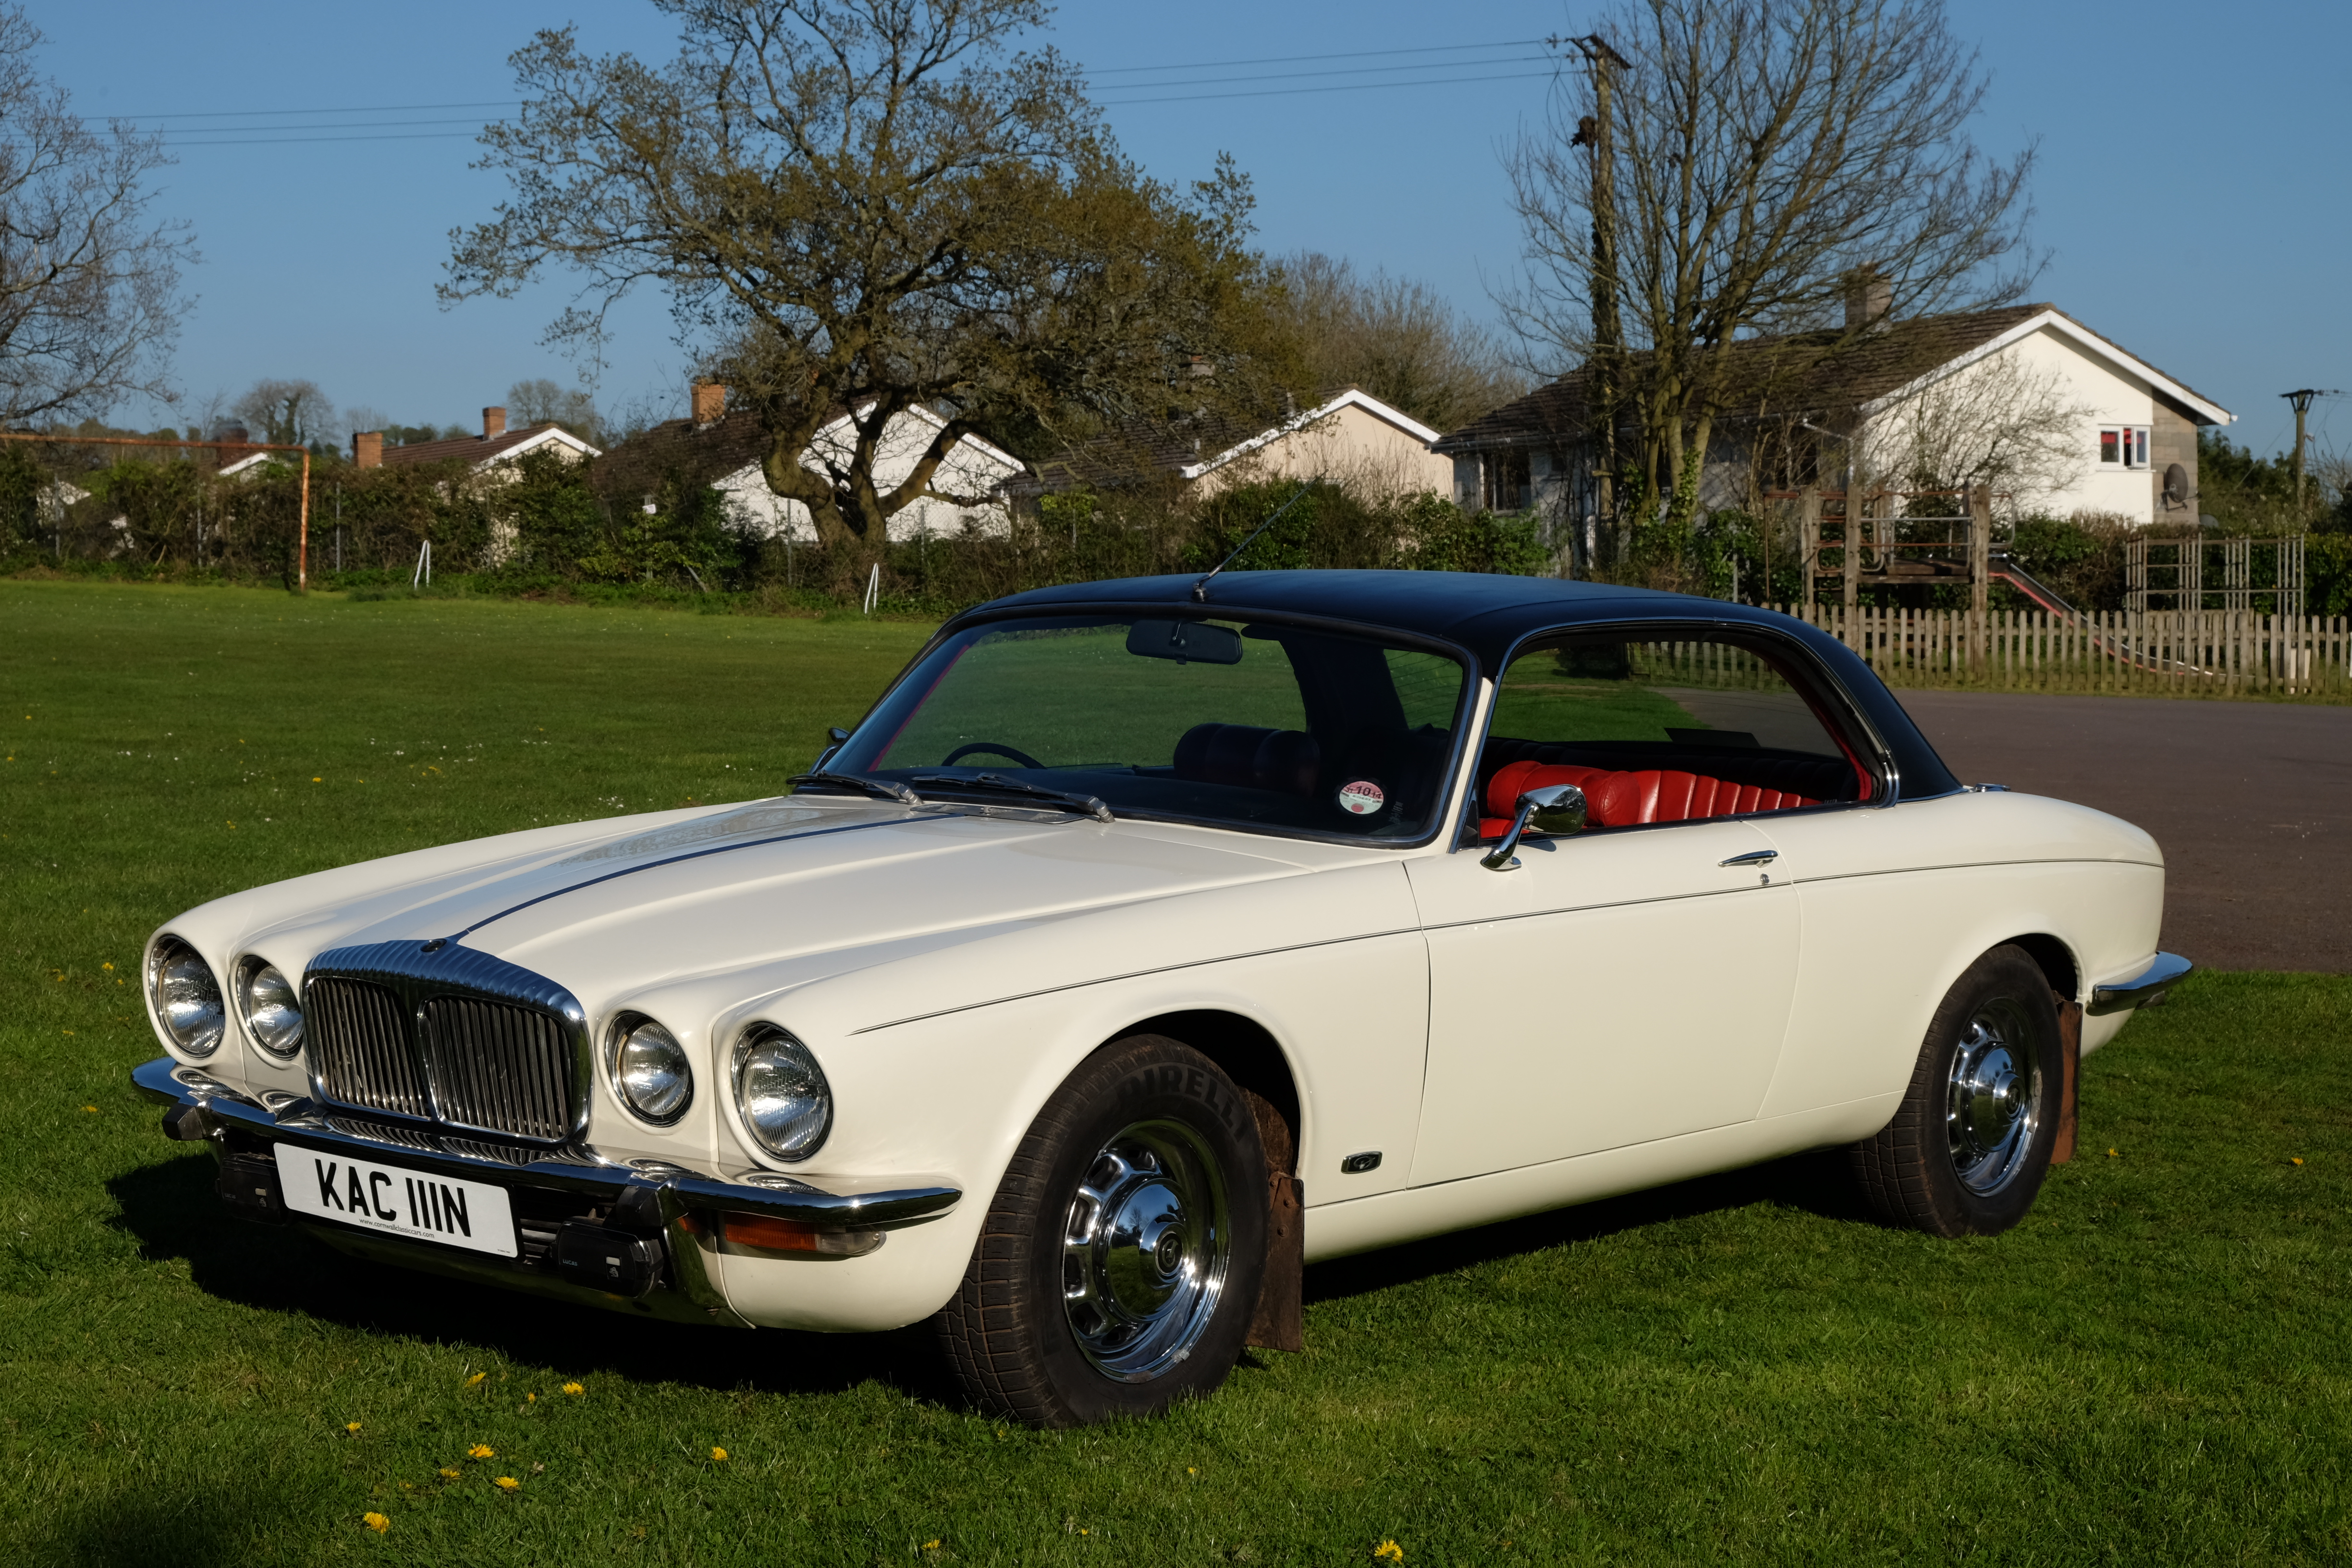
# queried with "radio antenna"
point(1200, 588)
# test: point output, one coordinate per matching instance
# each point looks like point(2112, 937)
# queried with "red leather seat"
point(1614, 799)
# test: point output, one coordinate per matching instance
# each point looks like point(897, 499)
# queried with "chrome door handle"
point(1753, 858)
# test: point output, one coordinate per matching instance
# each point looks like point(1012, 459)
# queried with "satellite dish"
point(2176, 485)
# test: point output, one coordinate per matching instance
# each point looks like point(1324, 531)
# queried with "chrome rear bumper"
point(2145, 989)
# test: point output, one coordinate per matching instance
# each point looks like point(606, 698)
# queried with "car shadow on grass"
point(1817, 1184)
point(170, 1209)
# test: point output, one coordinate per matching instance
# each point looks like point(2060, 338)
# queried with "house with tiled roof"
point(2114, 434)
point(725, 449)
point(1349, 436)
point(496, 444)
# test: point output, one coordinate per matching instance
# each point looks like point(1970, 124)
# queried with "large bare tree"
point(90, 286)
point(1765, 156)
point(861, 206)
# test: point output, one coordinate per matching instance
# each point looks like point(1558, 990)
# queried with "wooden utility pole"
point(2301, 400)
point(1604, 369)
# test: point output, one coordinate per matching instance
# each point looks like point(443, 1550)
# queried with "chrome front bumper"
point(686, 1201)
point(2145, 989)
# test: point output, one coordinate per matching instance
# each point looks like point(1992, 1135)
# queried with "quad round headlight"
point(185, 996)
point(786, 1105)
point(650, 1071)
point(270, 1008)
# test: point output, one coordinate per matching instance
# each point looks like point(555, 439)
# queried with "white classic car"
point(1149, 939)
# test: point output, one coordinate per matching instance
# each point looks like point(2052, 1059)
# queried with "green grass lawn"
point(1741, 1369)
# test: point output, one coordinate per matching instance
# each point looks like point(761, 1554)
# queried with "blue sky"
point(2193, 187)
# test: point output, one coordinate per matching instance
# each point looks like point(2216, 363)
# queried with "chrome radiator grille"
point(359, 1038)
point(435, 1032)
point(497, 1067)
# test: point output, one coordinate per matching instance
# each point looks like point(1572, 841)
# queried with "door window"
point(1662, 730)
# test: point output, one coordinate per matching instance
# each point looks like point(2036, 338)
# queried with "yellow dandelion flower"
point(318, 781)
point(573, 1388)
point(530, 1399)
point(507, 1484)
point(450, 1473)
point(475, 1381)
point(2297, 1160)
point(719, 1456)
point(93, 1111)
point(352, 1426)
point(1191, 1471)
point(930, 1546)
point(481, 1451)
point(2113, 1155)
point(1388, 1552)
point(106, 966)
point(376, 1522)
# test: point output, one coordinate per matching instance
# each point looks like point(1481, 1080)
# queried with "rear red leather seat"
point(1614, 799)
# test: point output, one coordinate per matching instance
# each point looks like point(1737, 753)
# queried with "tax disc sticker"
point(1361, 797)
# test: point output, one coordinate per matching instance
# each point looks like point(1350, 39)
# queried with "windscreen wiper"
point(1088, 804)
point(881, 789)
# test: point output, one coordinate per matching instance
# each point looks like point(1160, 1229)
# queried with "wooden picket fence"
point(2206, 653)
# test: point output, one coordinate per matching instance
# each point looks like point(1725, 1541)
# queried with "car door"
point(1632, 982)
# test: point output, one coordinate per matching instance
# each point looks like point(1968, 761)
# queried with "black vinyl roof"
point(1486, 617)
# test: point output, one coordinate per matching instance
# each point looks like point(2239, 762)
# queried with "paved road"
point(2251, 802)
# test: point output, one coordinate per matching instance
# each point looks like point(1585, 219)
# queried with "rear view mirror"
point(1186, 642)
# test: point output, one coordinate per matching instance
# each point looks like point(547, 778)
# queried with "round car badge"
point(1361, 797)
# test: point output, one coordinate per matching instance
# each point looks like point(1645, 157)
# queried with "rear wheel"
point(1119, 1268)
point(1966, 1154)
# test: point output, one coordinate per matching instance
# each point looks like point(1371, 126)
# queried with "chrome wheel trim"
point(1991, 1100)
point(1147, 1241)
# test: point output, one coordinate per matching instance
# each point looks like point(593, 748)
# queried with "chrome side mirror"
point(1555, 809)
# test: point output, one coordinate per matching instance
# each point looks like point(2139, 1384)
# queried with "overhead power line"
point(1146, 88)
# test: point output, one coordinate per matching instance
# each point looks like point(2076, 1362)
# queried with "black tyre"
point(1966, 1154)
point(1119, 1268)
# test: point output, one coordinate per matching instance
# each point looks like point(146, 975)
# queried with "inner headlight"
point(266, 1000)
point(650, 1069)
point(185, 996)
point(786, 1104)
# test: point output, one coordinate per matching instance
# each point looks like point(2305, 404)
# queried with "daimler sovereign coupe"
point(1149, 939)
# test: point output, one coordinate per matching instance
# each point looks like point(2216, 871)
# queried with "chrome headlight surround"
point(184, 996)
point(270, 1005)
point(781, 1096)
point(651, 1072)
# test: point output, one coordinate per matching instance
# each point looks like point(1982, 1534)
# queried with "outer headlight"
point(185, 996)
point(272, 1012)
point(786, 1105)
point(650, 1071)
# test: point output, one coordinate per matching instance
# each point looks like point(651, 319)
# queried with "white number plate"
point(471, 1214)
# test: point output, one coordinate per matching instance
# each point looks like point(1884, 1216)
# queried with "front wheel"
point(1966, 1152)
point(1118, 1269)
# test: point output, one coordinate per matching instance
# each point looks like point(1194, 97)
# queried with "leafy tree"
point(89, 288)
point(1397, 339)
point(542, 401)
point(286, 413)
point(2244, 493)
point(862, 207)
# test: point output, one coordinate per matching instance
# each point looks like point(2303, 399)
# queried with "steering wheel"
point(1024, 758)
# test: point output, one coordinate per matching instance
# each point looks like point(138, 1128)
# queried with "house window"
point(1508, 485)
point(2122, 446)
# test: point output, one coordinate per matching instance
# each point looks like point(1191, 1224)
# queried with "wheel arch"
point(1243, 1048)
point(2056, 960)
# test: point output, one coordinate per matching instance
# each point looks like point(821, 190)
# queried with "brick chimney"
point(709, 401)
point(367, 449)
point(494, 424)
point(1869, 297)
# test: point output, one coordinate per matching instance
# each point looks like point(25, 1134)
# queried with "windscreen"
point(1225, 722)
